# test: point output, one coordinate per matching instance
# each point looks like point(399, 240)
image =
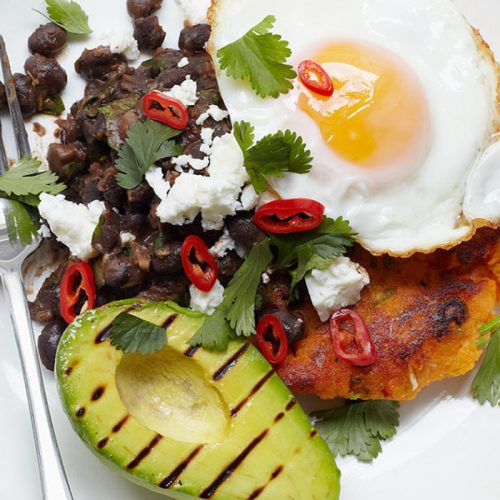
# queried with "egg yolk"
point(378, 114)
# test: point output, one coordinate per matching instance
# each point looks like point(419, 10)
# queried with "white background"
point(447, 447)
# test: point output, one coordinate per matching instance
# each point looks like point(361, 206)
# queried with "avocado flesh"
point(214, 425)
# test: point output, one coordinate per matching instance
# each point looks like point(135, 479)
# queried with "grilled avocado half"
point(186, 422)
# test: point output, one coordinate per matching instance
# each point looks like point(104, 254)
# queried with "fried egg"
point(405, 148)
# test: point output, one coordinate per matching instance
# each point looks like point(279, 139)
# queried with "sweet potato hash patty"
point(422, 314)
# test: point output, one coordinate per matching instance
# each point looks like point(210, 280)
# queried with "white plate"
point(446, 447)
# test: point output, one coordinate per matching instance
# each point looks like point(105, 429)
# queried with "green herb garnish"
point(68, 15)
point(147, 142)
point(130, 333)
point(22, 222)
point(358, 428)
point(486, 383)
point(237, 311)
point(259, 57)
point(272, 156)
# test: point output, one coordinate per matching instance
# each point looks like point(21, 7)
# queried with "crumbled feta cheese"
point(215, 196)
point(265, 278)
point(122, 42)
point(206, 139)
point(44, 231)
point(186, 92)
point(249, 198)
point(155, 178)
point(126, 238)
point(184, 160)
point(199, 164)
point(72, 223)
point(215, 112)
point(223, 245)
point(206, 302)
point(336, 287)
point(183, 62)
point(195, 11)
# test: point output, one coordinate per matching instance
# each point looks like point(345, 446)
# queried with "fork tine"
point(4, 164)
point(20, 135)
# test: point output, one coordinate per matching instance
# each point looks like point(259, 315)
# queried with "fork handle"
point(52, 475)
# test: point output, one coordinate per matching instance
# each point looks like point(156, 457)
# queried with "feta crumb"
point(199, 164)
point(183, 62)
point(265, 278)
point(186, 92)
point(181, 160)
point(184, 160)
point(195, 11)
point(122, 42)
point(336, 287)
point(44, 231)
point(223, 245)
point(249, 198)
point(126, 238)
point(72, 223)
point(206, 302)
point(207, 139)
point(215, 196)
point(215, 112)
point(154, 177)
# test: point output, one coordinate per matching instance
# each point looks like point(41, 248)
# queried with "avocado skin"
point(271, 450)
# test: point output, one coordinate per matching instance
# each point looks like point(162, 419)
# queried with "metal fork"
point(52, 475)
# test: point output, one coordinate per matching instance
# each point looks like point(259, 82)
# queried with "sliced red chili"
point(271, 339)
point(198, 263)
point(315, 78)
point(165, 109)
point(342, 338)
point(78, 278)
point(289, 216)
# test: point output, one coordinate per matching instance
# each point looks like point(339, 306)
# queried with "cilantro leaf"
point(147, 142)
point(112, 110)
point(486, 383)
point(357, 428)
point(68, 15)
point(239, 296)
point(215, 334)
point(130, 333)
point(22, 222)
point(24, 179)
point(313, 249)
point(259, 56)
point(272, 156)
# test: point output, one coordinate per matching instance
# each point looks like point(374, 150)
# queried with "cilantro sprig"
point(259, 57)
point(358, 428)
point(22, 222)
point(272, 156)
point(68, 15)
point(147, 142)
point(486, 383)
point(130, 333)
point(237, 311)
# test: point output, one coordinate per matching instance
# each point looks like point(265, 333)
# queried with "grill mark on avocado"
point(231, 362)
point(104, 333)
point(97, 394)
point(273, 476)
point(174, 475)
point(252, 393)
point(313, 433)
point(144, 452)
point(209, 491)
point(102, 443)
point(80, 412)
point(68, 371)
point(191, 351)
point(290, 404)
point(278, 417)
point(168, 322)
point(120, 424)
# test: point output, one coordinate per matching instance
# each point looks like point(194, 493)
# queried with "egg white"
point(404, 210)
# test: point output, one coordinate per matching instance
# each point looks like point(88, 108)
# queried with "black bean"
point(228, 265)
point(26, 94)
point(148, 33)
point(194, 38)
point(46, 73)
point(47, 40)
point(48, 342)
point(67, 160)
point(136, 222)
point(293, 323)
point(121, 271)
point(167, 258)
point(243, 230)
point(142, 8)
point(172, 76)
point(95, 64)
point(209, 237)
point(140, 197)
point(107, 235)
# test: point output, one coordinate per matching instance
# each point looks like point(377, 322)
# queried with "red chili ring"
point(203, 272)
point(165, 109)
point(289, 216)
point(367, 354)
point(68, 297)
point(315, 78)
point(271, 324)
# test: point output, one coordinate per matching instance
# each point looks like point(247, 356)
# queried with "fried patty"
point(422, 313)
